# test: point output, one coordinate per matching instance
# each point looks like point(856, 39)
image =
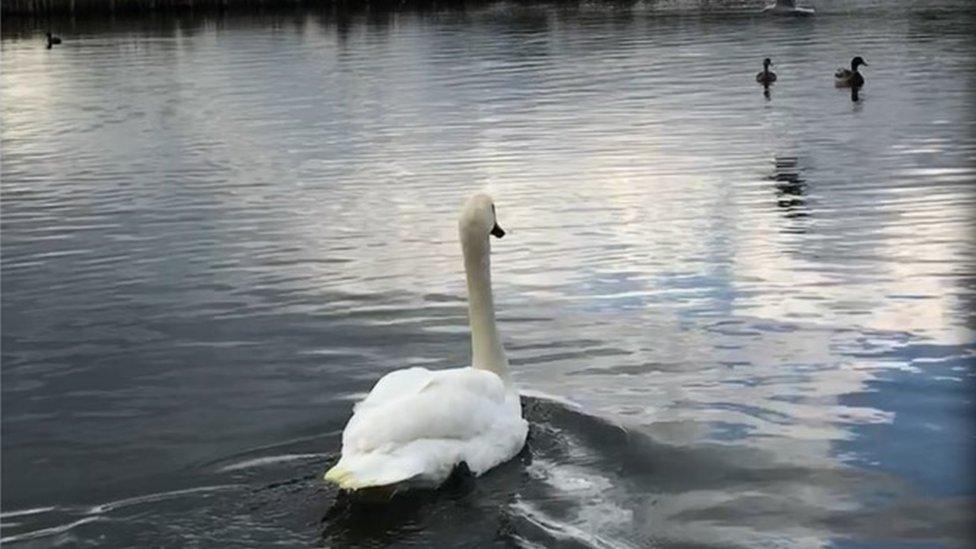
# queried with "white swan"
point(417, 425)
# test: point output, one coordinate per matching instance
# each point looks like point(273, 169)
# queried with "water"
point(754, 315)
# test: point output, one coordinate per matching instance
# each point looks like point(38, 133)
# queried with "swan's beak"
point(497, 231)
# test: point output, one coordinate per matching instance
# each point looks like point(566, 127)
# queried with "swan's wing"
point(404, 383)
point(450, 404)
point(394, 385)
point(440, 419)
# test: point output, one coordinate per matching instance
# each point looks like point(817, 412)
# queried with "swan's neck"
point(487, 352)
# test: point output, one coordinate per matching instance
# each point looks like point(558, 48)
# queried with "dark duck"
point(52, 40)
point(850, 78)
point(766, 76)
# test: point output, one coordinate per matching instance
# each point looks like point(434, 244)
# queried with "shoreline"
point(25, 9)
point(48, 8)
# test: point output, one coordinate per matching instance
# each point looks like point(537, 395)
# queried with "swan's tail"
point(342, 477)
point(371, 471)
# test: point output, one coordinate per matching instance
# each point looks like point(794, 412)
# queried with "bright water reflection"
point(218, 232)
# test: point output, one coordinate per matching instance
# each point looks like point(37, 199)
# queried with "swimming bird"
point(416, 425)
point(766, 76)
point(844, 78)
point(52, 40)
point(786, 7)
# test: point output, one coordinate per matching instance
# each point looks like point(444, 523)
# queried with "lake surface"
point(753, 316)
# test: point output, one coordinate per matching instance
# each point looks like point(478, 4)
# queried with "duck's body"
point(52, 40)
point(850, 78)
point(766, 76)
point(786, 7)
point(416, 425)
point(845, 78)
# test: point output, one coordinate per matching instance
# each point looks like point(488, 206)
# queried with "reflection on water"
point(790, 189)
point(757, 311)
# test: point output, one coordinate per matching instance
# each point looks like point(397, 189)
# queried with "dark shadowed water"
point(755, 315)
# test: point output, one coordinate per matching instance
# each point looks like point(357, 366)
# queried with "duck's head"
point(767, 62)
point(478, 218)
point(856, 62)
point(48, 35)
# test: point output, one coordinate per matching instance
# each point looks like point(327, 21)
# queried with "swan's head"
point(856, 62)
point(767, 62)
point(478, 218)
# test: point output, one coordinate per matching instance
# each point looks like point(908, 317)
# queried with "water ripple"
point(217, 232)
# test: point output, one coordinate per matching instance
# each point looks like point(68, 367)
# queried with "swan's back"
point(416, 425)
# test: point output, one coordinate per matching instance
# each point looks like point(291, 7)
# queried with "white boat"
point(787, 7)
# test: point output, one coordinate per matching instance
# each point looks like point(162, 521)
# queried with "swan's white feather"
point(416, 425)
